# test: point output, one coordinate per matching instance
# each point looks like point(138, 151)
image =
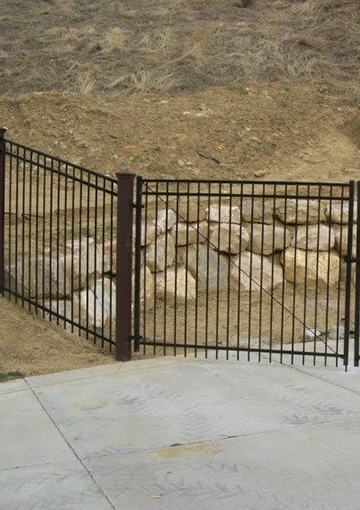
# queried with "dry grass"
point(169, 45)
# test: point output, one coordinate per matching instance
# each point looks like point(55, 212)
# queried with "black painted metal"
point(233, 305)
point(59, 240)
point(200, 287)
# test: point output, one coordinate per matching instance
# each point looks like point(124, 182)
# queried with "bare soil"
point(271, 132)
point(31, 346)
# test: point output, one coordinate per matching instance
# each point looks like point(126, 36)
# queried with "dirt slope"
point(299, 133)
point(31, 346)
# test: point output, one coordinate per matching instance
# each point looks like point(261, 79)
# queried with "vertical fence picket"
point(2, 208)
point(357, 282)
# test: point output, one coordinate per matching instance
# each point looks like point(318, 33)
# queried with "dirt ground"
point(272, 132)
point(31, 346)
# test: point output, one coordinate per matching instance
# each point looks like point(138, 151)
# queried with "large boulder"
point(229, 238)
point(256, 273)
point(267, 239)
point(300, 211)
point(341, 242)
point(190, 233)
point(223, 213)
point(311, 268)
point(41, 276)
point(175, 283)
point(338, 212)
point(58, 275)
point(62, 309)
point(191, 210)
point(161, 253)
point(146, 288)
point(314, 238)
point(208, 267)
point(88, 261)
point(166, 218)
point(257, 211)
point(91, 308)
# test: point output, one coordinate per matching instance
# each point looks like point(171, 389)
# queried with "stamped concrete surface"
point(182, 434)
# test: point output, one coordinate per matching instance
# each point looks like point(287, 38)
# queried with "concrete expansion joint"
point(69, 445)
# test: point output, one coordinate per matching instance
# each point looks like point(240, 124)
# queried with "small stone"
point(311, 334)
point(260, 173)
point(337, 333)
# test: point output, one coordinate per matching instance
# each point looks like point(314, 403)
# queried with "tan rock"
point(192, 210)
point(314, 238)
point(229, 238)
point(257, 211)
point(341, 242)
point(223, 213)
point(339, 212)
point(62, 309)
point(148, 232)
point(88, 261)
point(210, 268)
point(307, 267)
point(256, 272)
point(165, 220)
point(104, 290)
point(300, 211)
point(41, 277)
point(146, 288)
point(161, 253)
point(177, 283)
point(190, 233)
point(266, 239)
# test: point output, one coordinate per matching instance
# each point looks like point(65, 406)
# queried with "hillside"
point(137, 46)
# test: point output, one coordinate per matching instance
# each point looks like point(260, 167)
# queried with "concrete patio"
point(182, 434)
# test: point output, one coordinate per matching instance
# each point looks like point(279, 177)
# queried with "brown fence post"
point(2, 208)
point(124, 265)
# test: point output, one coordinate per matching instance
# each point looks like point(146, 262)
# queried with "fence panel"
point(245, 269)
point(60, 241)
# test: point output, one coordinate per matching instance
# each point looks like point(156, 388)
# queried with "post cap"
point(3, 130)
point(125, 174)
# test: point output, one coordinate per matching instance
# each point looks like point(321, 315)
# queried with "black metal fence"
point(244, 270)
point(59, 229)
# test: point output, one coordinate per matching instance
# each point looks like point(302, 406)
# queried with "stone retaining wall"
point(204, 247)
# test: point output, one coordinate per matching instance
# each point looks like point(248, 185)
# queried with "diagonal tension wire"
point(262, 289)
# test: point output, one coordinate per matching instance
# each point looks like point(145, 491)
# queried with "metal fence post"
point(349, 272)
point(137, 282)
point(357, 282)
point(2, 208)
point(124, 265)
